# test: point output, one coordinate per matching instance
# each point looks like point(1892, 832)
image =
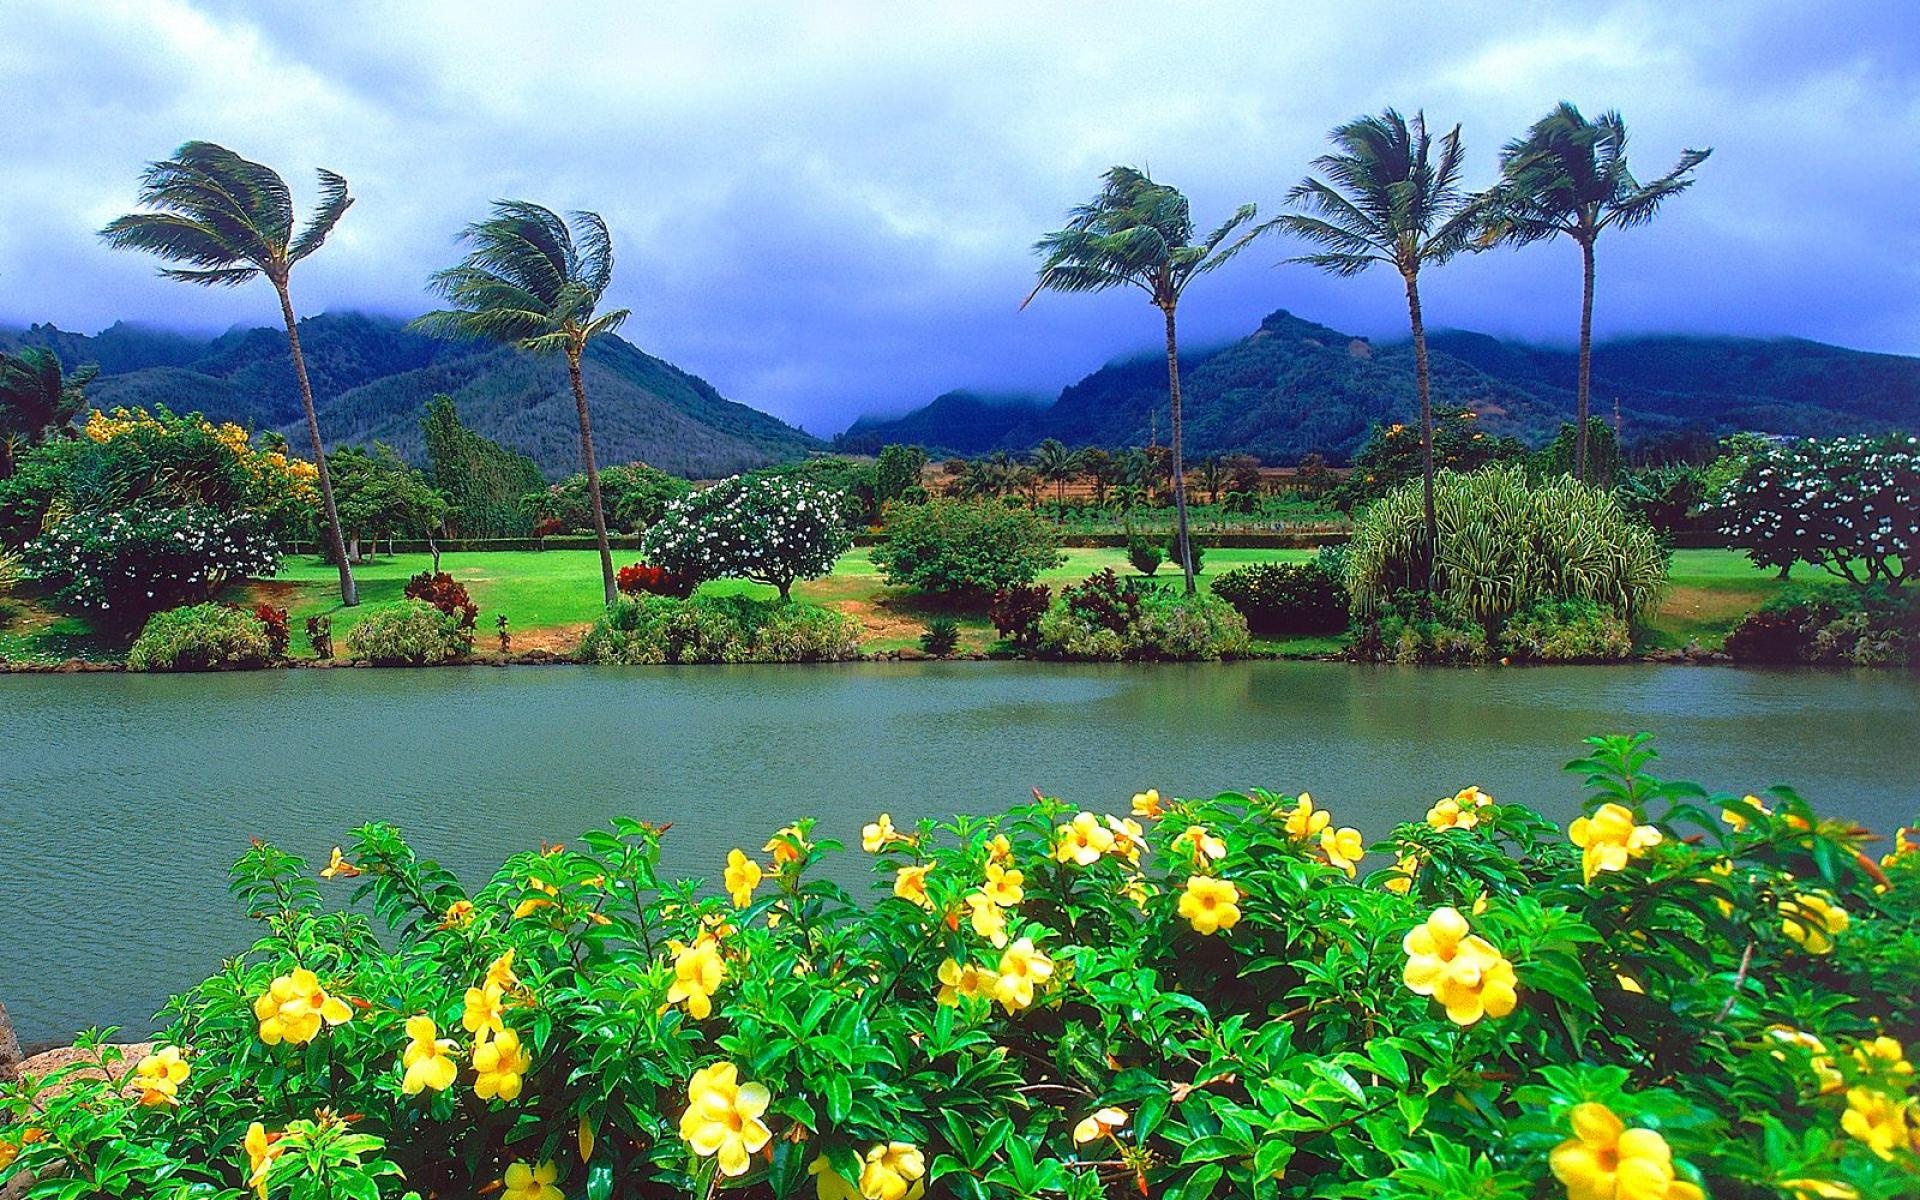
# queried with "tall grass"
point(1505, 542)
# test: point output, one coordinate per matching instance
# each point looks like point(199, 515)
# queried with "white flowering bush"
point(771, 530)
point(1850, 506)
point(124, 564)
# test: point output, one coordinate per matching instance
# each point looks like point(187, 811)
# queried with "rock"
point(9, 1049)
point(912, 654)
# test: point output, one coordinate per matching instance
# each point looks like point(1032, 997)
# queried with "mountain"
point(964, 423)
point(1293, 387)
point(372, 378)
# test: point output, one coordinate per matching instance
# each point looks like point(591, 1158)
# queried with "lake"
point(123, 798)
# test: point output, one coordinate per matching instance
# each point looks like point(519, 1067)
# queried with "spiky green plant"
point(36, 396)
point(1568, 177)
point(1390, 193)
point(1138, 233)
point(532, 281)
point(231, 220)
point(1505, 542)
point(1056, 464)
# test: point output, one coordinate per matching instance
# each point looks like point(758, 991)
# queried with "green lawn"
point(550, 596)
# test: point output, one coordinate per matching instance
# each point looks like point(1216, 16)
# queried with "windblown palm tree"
point(1140, 233)
point(1389, 195)
point(532, 282)
point(1057, 465)
point(1569, 177)
point(35, 398)
point(232, 220)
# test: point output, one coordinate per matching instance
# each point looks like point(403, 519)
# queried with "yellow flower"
point(339, 867)
point(500, 972)
point(294, 1007)
point(698, 972)
point(1100, 1124)
point(829, 1183)
point(1003, 885)
point(987, 918)
point(786, 846)
point(1342, 848)
point(1459, 968)
point(485, 1012)
point(742, 876)
point(1883, 1055)
point(160, 1075)
point(964, 981)
point(1202, 845)
point(1877, 1120)
point(1083, 841)
point(1604, 1160)
point(500, 1066)
point(262, 1149)
point(1820, 1189)
point(1458, 811)
point(910, 884)
point(1812, 921)
point(525, 1181)
point(1609, 839)
point(875, 836)
point(1128, 838)
point(1147, 804)
point(723, 1117)
point(1021, 967)
point(1740, 818)
point(1904, 843)
point(428, 1058)
point(1629, 984)
point(1405, 868)
point(1210, 904)
point(893, 1171)
point(1000, 850)
point(1305, 822)
point(1825, 1074)
point(459, 915)
point(1137, 890)
point(1472, 797)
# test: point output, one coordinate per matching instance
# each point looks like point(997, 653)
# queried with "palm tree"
point(1389, 196)
point(1212, 475)
point(532, 282)
point(232, 220)
point(1057, 465)
point(1569, 177)
point(1140, 233)
point(36, 396)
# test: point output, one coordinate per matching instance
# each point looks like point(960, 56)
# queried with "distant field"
point(550, 596)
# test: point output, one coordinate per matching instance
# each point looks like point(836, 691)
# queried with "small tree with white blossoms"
point(769, 529)
point(1849, 505)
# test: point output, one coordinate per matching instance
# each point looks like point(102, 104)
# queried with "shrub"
point(1566, 631)
point(1107, 618)
point(642, 578)
point(1869, 627)
point(411, 633)
point(1421, 627)
point(1505, 544)
point(445, 593)
point(719, 629)
point(770, 529)
point(1193, 547)
point(941, 637)
point(201, 637)
point(1142, 555)
point(1667, 498)
point(1016, 613)
point(125, 564)
point(1850, 506)
point(1267, 1012)
point(274, 622)
point(965, 547)
point(320, 636)
point(1286, 598)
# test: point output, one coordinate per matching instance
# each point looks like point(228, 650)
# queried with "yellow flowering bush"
point(1218, 996)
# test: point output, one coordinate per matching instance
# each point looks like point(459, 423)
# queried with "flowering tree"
point(770, 529)
point(1850, 506)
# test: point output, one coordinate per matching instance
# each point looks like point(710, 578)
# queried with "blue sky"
point(827, 208)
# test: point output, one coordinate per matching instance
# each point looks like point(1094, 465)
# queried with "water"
point(123, 798)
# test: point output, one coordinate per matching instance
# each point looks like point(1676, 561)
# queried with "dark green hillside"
point(964, 423)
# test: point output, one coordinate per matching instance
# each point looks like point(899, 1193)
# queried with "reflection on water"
point(124, 798)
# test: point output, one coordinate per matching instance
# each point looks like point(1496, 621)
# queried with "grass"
point(551, 596)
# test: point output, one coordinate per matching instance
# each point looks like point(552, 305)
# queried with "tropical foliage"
point(1286, 598)
point(1850, 506)
point(485, 485)
point(1107, 618)
point(773, 530)
point(37, 398)
point(1682, 994)
point(965, 547)
point(413, 633)
point(652, 628)
point(202, 637)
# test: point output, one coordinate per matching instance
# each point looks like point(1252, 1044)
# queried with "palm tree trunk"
point(593, 476)
point(1424, 378)
point(349, 592)
point(1179, 468)
point(1584, 392)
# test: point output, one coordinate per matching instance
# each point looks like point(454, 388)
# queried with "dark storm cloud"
point(827, 209)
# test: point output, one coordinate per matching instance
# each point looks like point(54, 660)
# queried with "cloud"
point(827, 209)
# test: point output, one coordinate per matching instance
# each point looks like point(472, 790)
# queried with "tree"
point(896, 475)
point(533, 282)
point(1212, 476)
point(1568, 177)
point(485, 484)
point(232, 220)
point(1850, 506)
point(1388, 197)
point(1097, 465)
point(1138, 233)
point(771, 529)
point(965, 547)
point(36, 397)
point(1054, 463)
point(381, 496)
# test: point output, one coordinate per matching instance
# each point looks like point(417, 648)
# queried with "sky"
point(827, 209)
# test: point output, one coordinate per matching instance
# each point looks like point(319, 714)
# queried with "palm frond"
point(334, 202)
